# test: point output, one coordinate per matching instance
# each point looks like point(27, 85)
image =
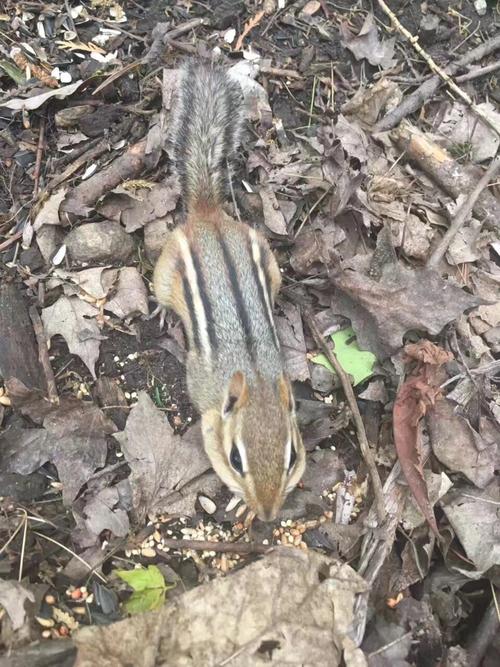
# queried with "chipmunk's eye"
point(235, 459)
point(293, 458)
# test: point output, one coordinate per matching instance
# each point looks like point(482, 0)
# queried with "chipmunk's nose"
point(267, 513)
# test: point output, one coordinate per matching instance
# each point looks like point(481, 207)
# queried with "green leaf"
point(143, 578)
point(14, 72)
point(147, 600)
point(357, 363)
point(149, 588)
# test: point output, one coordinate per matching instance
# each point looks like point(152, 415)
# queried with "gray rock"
point(99, 242)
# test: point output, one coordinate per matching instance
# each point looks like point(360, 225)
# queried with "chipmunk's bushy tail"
point(207, 126)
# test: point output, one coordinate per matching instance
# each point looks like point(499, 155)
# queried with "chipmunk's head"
point(258, 453)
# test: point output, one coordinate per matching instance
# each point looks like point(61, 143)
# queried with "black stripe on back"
point(207, 306)
point(238, 297)
point(188, 298)
point(260, 287)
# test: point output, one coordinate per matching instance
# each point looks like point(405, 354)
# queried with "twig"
point(444, 170)
point(220, 547)
point(72, 553)
point(39, 154)
point(435, 67)
point(43, 355)
point(480, 71)
point(15, 237)
point(249, 25)
point(90, 154)
point(414, 101)
point(360, 428)
point(278, 71)
point(463, 213)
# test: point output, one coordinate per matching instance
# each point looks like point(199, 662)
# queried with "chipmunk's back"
point(220, 276)
point(233, 319)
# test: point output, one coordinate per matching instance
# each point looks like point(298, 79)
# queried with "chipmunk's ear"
point(236, 394)
point(286, 393)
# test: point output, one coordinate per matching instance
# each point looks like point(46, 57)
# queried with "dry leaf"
point(12, 599)
point(417, 395)
point(288, 608)
point(162, 463)
point(49, 212)
point(366, 44)
point(74, 320)
point(73, 437)
point(383, 311)
point(31, 103)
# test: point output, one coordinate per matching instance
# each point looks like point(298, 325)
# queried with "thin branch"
point(366, 452)
point(43, 355)
point(413, 102)
point(463, 213)
point(220, 547)
point(436, 68)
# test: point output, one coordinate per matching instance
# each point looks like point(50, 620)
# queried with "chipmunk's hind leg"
point(273, 272)
point(167, 278)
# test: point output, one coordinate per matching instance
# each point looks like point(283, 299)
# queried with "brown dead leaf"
point(135, 209)
point(366, 44)
point(311, 608)
point(74, 320)
point(73, 437)
point(12, 598)
point(458, 446)
point(161, 463)
point(131, 296)
point(49, 211)
point(404, 299)
point(367, 103)
point(416, 396)
point(273, 217)
point(291, 335)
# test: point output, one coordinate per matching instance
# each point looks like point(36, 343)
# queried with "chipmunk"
point(221, 278)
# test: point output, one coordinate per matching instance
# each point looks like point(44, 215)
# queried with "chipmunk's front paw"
point(160, 311)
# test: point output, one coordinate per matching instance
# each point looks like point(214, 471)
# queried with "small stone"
point(76, 594)
point(99, 242)
point(481, 7)
point(46, 634)
point(50, 599)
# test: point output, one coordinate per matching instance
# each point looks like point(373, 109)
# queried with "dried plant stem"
point(220, 547)
point(39, 155)
point(43, 355)
point(463, 213)
point(360, 428)
point(387, 122)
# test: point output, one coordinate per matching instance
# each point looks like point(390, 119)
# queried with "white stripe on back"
point(256, 256)
point(192, 279)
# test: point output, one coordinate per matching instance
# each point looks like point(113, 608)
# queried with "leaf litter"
point(353, 215)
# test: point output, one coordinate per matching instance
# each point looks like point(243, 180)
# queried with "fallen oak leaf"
point(383, 311)
point(74, 320)
point(12, 598)
point(161, 463)
point(417, 395)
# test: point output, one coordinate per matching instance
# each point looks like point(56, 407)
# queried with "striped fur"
point(220, 276)
point(206, 132)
